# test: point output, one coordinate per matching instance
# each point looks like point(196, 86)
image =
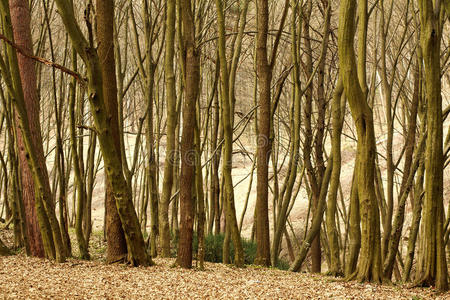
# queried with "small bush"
point(282, 264)
point(214, 248)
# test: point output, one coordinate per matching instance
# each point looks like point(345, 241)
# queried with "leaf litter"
point(23, 277)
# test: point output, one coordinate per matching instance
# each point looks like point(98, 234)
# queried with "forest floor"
point(23, 277)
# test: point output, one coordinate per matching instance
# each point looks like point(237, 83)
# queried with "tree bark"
point(228, 143)
point(22, 85)
point(433, 269)
point(104, 126)
point(191, 78)
point(115, 237)
point(169, 75)
point(337, 123)
point(369, 265)
point(264, 74)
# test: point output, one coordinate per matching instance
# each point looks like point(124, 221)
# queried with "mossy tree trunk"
point(104, 122)
point(433, 269)
point(169, 75)
point(228, 140)
point(316, 221)
point(117, 246)
point(79, 177)
point(21, 82)
point(369, 265)
point(337, 113)
point(394, 239)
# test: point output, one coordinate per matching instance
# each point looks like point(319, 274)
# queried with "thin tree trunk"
point(164, 231)
point(264, 74)
point(228, 143)
point(337, 123)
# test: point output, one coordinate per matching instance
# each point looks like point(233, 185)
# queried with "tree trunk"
point(117, 247)
point(104, 125)
point(264, 74)
point(23, 88)
point(228, 143)
point(191, 78)
point(79, 177)
point(369, 265)
point(433, 269)
point(169, 74)
point(337, 123)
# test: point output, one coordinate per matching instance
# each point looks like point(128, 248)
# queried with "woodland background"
point(303, 135)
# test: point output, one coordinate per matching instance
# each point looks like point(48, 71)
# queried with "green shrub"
point(214, 246)
point(282, 264)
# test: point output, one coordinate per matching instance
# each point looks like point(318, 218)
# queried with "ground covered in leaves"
point(32, 278)
point(23, 277)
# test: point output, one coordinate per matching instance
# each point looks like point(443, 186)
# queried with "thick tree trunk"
point(28, 198)
point(192, 78)
point(117, 247)
point(369, 265)
point(434, 265)
point(26, 100)
point(104, 125)
point(23, 38)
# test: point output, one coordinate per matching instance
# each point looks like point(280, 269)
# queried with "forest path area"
point(24, 277)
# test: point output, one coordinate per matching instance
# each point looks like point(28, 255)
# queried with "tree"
point(337, 115)
point(77, 167)
point(21, 82)
point(354, 81)
point(231, 221)
point(264, 74)
point(191, 57)
point(169, 75)
point(115, 237)
point(103, 120)
point(433, 269)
